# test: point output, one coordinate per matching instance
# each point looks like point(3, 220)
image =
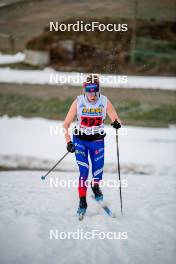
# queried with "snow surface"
point(8, 58)
point(31, 208)
point(8, 75)
point(28, 140)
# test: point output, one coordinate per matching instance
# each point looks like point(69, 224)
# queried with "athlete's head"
point(91, 87)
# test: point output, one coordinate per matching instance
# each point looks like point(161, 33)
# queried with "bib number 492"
point(91, 121)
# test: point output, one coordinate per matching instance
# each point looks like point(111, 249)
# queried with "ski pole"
point(118, 161)
point(43, 177)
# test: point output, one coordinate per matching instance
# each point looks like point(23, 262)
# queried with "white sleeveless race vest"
point(91, 116)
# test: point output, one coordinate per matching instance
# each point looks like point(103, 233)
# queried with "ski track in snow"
point(30, 208)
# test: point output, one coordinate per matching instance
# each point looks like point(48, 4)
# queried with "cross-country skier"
point(90, 108)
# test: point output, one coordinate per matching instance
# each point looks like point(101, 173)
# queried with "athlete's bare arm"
point(112, 112)
point(69, 119)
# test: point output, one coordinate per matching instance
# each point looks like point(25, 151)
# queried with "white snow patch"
point(8, 58)
point(8, 75)
point(27, 142)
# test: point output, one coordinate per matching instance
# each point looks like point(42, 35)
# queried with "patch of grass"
point(14, 105)
point(127, 106)
point(161, 113)
point(131, 112)
point(158, 115)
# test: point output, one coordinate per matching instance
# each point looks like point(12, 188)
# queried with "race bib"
point(87, 121)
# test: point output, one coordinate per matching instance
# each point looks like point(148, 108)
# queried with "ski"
point(105, 208)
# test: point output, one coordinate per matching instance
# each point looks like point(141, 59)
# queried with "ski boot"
point(82, 207)
point(97, 192)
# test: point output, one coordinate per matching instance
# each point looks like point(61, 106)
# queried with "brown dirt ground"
point(28, 18)
point(147, 96)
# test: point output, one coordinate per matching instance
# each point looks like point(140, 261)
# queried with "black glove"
point(116, 124)
point(70, 147)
